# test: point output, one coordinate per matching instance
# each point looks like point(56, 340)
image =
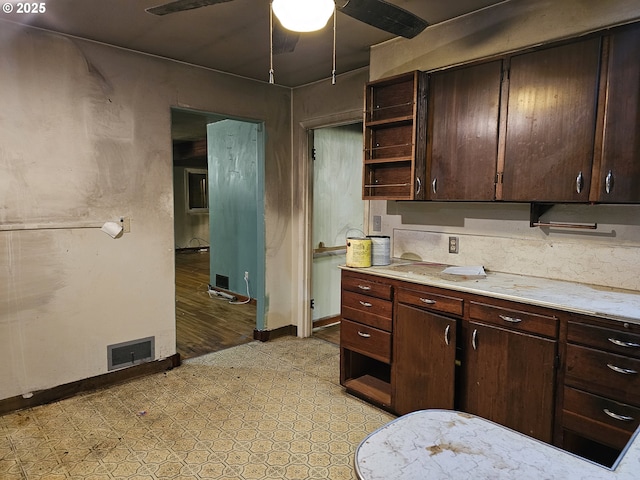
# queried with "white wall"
point(85, 136)
point(498, 235)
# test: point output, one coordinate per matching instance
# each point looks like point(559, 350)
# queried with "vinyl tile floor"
point(271, 410)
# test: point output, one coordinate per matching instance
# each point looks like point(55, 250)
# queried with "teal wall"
point(235, 201)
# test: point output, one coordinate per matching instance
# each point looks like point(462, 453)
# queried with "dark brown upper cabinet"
point(552, 124)
point(464, 107)
point(617, 172)
point(395, 138)
point(550, 127)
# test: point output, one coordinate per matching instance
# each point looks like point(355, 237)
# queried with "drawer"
point(431, 301)
point(599, 418)
point(371, 311)
point(604, 373)
point(544, 325)
point(366, 340)
point(360, 284)
point(610, 339)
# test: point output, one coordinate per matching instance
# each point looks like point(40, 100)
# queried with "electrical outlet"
point(246, 275)
point(377, 223)
point(453, 245)
point(125, 223)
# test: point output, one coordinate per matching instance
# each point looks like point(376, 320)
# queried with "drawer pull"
point(626, 371)
point(365, 304)
point(622, 418)
point(364, 335)
point(474, 339)
point(428, 301)
point(510, 319)
point(364, 287)
point(446, 334)
point(621, 343)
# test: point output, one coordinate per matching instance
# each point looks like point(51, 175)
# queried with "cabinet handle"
point(428, 301)
point(625, 371)
point(434, 185)
point(474, 339)
point(365, 304)
point(364, 335)
point(622, 418)
point(621, 343)
point(446, 334)
point(364, 287)
point(608, 182)
point(510, 319)
point(579, 182)
point(418, 185)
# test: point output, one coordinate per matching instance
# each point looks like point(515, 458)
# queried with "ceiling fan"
point(377, 13)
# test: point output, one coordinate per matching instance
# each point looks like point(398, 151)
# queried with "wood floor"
point(204, 324)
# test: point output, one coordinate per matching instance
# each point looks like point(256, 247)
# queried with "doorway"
point(337, 212)
point(217, 240)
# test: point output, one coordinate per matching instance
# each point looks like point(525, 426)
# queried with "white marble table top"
point(593, 300)
point(443, 444)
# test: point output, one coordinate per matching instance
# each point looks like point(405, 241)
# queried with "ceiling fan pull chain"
point(333, 72)
point(271, 43)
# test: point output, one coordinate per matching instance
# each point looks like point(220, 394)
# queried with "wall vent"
point(130, 353)
point(222, 281)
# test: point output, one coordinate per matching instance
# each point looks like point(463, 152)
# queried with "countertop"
point(605, 302)
point(443, 444)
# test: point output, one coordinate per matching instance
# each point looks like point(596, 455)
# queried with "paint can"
point(380, 249)
point(358, 252)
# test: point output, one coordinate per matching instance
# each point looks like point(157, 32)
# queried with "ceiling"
point(231, 37)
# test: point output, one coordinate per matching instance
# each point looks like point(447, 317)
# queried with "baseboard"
point(323, 322)
point(266, 335)
point(204, 248)
point(60, 392)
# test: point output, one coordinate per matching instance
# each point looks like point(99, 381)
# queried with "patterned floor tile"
point(271, 410)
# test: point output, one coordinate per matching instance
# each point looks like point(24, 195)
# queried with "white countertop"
point(594, 300)
point(443, 444)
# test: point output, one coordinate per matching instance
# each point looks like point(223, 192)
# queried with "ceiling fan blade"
point(284, 41)
point(385, 16)
point(182, 5)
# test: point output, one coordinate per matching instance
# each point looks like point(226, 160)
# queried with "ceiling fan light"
point(303, 15)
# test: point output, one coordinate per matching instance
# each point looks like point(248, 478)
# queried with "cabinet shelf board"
point(370, 161)
point(371, 387)
point(390, 122)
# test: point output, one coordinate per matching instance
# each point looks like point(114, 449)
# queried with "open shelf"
point(366, 377)
point(371, 388)
point(394, 137)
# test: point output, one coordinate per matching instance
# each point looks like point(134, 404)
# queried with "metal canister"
point(380, 249)
point(358, 252)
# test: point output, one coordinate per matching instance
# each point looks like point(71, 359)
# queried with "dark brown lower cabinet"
point(424, 360)
point(600, 407)
point(508, 377)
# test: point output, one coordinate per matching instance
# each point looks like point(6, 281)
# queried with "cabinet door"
point(551, 123)
point(423, 361)
point(618, 179)
point(509, 378)
point(463, 121)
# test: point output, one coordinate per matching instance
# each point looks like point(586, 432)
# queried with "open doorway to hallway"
point(337, 211)
point(218, 207)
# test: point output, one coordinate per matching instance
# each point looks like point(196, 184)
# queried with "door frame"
point(304, 254)
point(260, 275)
